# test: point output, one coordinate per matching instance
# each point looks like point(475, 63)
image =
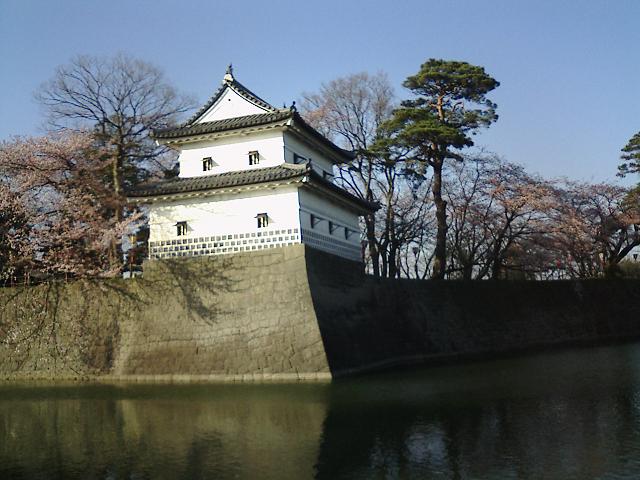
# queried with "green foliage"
point(630, 157)
point(419, 133)
point(451, 105)
point(443, 88)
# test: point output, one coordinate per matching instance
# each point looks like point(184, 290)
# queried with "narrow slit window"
point(314, 220)
point(263, 220)
point(207, 164)
point(181, 228)
point(254, 158)
point(297, 159)
point(332, 227)
point(347, 233)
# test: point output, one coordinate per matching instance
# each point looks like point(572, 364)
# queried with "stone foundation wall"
point(370, 323)
point(236, 317)
point(290, 313)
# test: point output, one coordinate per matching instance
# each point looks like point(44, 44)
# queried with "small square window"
point(263, 220)
point(181, 228)
point(207, 164)
point(254, 158)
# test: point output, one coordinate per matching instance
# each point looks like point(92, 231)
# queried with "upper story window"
point(263, 220)
point(254, 158)
point(207, 164)
point(181, 228)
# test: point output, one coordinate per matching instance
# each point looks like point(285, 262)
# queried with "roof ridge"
point(230, 119)
point(231, 123)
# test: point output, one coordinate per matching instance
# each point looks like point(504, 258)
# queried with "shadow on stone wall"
point(74, 328)
point(60, 327)
point(196, 282)
point(220, 317)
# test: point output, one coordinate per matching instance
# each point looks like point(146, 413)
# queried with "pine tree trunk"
point(467, 271)
point(370, 224)
point(393, 267)
point(440, 254)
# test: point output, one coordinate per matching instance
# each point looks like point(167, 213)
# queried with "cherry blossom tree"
point(59, 189)
point(120, 99)
point(16, 249)
point(496, 208)
point(595, 227)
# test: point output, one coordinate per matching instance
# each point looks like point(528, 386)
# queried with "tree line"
point(447, 211)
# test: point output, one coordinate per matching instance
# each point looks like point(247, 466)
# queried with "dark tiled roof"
point(318, 180)
point(221, 180)
point(285, 171)
point(224, 125)
point(255, 120)
point(348, 154)
point(240, 90)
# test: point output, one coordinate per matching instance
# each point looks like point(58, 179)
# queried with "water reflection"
point(161, 432)
point(564, 415)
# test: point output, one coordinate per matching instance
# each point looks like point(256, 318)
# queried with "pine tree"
point(451, 105)
point(630, 157)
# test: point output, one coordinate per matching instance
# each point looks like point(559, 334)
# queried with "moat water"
point(563, 415)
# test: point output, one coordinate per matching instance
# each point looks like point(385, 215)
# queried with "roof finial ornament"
point(293, 106)
point(228, 76)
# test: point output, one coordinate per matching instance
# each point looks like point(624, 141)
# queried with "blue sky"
point(569, 70)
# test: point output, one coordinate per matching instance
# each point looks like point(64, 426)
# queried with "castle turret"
point(251, 177)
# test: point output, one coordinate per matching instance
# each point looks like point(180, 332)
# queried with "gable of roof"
point(195, 130)
point(230, 83)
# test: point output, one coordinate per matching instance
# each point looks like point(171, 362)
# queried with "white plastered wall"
point(232, 153)
point(224, 214)
point(328, 214)
point(230, 105)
